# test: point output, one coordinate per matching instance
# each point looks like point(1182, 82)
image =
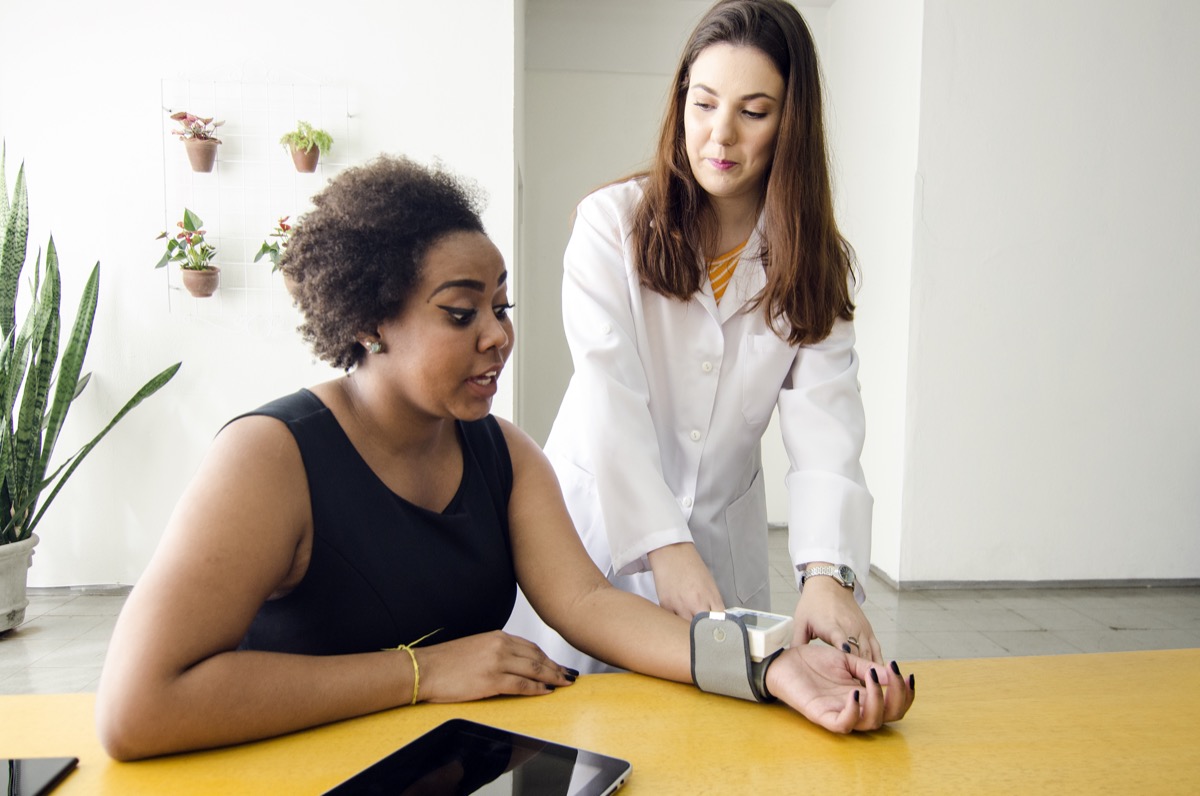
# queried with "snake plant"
point(37, 385)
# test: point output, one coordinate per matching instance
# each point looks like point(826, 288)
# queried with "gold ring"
point(854, 641)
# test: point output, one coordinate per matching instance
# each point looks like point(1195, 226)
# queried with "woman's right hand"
point(685, 586)
point(485, 665)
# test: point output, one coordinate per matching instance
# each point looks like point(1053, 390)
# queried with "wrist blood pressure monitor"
point(732, 649)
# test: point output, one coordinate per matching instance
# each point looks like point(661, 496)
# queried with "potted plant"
point(306, 145)
point(194, 255)
point(199, 137)
point(39, 380)
point(273, 249)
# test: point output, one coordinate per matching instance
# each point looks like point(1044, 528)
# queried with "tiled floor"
point(61, 646)
point(980, 623)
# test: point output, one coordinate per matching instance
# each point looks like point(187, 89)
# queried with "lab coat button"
point(695, 436)
point(605, 328)
point(687, 502)
point(707, 367)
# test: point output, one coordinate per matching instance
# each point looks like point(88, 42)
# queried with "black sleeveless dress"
point(384, 571)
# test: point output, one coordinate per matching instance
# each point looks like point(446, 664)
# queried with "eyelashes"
point(463, 316)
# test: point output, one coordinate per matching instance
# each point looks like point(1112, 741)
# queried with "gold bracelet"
point(416, 671)
point(416, 667)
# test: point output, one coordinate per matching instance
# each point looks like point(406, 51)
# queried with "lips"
point(486, 379)
point(722, 165)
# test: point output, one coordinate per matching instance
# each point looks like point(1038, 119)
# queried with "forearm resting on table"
point(631, 632)
point(240, 696)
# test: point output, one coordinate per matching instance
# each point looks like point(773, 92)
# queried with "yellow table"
point(1111, 723)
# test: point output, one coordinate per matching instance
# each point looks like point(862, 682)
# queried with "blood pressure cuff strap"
point(721, 662)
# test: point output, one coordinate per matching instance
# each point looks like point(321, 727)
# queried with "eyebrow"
point(756, 95)
point(469, 284)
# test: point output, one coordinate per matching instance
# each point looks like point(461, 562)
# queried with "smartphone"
point(34, 776)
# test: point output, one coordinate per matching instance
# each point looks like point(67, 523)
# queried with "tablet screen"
point(462, 757)
point(34, 776)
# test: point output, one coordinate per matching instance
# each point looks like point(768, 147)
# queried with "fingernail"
point(573, 672)
point(895, 668)
point(548, 687)
point(912, 683)
point(571, 676)
point(874, 677)
point(846, 648)
point(855, 696)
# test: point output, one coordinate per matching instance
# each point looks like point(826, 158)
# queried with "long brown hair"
point(809, 264)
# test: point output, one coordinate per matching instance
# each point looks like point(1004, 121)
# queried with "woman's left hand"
point(840, 692)
point(828, 611)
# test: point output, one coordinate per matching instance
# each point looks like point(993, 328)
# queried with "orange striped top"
point(721, 268)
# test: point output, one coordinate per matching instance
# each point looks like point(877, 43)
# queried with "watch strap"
point(838, 573)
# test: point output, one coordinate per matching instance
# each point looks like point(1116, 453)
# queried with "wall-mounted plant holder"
point(252, 184)
point(201, 154)
point(201, 284)
point(306, 143)
point(199, 137)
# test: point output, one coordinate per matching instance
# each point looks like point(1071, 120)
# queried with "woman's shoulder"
point(616, 197)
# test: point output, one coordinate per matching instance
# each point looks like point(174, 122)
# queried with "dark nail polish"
point(846, 648)
point(548, 687)
point(912, 683)
point(570, 676)
point(874, 677)
point(855, 696)
point(573, 672)
point(895, 668)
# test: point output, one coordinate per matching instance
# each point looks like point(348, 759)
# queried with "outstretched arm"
point(829, 687)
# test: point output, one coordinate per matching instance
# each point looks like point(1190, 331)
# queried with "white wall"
point(872, 66)
point(80, 104)
point(1053, 385)
point(596, 77)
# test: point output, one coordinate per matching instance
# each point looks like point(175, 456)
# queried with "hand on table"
point(685, 586)
point(839, 692)
point(828, 611)
point(484, 665)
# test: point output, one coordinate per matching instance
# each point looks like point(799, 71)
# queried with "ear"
point(370, 342)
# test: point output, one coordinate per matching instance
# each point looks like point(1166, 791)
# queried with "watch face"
point(846, 574)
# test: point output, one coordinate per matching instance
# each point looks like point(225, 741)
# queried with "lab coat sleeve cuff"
point(633, 559)
point(829, 520)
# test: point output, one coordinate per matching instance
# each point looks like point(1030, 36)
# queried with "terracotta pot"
point(306, 161)
point(202, 154)
point(290, 284)
point(15, 560)
point(201, 284)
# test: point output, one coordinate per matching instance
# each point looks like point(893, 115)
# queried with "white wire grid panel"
point(251, 187)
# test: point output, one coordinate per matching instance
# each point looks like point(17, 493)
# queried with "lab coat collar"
point(747, 281)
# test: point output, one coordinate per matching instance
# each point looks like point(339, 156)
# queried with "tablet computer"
point(34, 776)
point(461, 757)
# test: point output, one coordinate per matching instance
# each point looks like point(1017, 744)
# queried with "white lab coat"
point(658, 437)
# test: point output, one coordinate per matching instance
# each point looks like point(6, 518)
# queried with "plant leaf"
point(72, 361)
point(12, 258)
point(149, 388)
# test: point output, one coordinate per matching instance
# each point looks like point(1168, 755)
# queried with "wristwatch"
point(843, 574)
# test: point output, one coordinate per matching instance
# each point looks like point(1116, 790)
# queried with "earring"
point(374, 347)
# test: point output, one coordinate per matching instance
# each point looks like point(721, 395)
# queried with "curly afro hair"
point(357, 255)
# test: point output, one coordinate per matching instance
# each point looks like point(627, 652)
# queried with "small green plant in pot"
point(40, 377)
point(306, 144)
point(194, 255)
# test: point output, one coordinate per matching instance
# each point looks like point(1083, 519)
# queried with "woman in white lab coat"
point(697, 298)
